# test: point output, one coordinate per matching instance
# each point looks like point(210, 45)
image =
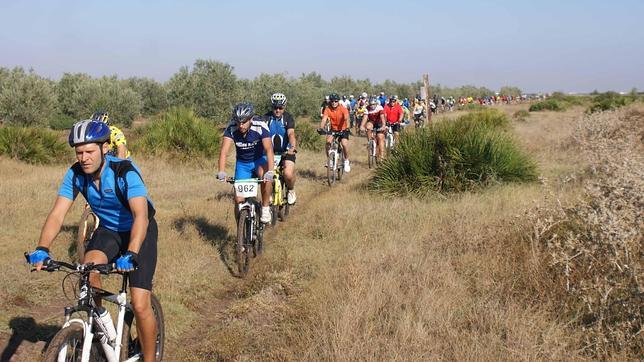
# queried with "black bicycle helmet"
point(334, 97)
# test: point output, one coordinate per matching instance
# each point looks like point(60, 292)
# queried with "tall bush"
point(179, 133)
point(468, 153)
point(26, 98)
point(33, 145)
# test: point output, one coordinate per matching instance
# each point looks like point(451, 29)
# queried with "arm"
point(54, 221)
point(121, 151)
point(402, 114)
point(139, 208)
point(291, 140)
point(226, 143)
point(268, 148)
point(323, 121)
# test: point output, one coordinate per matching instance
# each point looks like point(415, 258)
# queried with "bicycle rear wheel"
point(242, 254)
point(67, 345)
point(86, 227)
point(130, 342)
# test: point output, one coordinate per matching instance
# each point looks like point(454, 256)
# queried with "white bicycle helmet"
point(278, 99)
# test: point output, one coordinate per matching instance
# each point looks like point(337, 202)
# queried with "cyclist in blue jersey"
point(252, 139)
point(282, 127)
point(127, 234)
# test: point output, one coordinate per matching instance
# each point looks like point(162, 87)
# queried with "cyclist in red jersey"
point(394, 114)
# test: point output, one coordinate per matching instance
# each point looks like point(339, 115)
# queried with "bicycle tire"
point(370, 153)
point(241, 249)
point(131, 345)
point(83, 235)
point(72, 333)
point(340, 167)
point(283, 211)
point(331, 169)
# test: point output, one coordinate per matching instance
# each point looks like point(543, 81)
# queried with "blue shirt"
point(279, 130)
point(383, 100)
point(249, 146)
point(104, 202)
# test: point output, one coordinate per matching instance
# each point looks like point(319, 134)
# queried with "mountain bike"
point(279, 203)
point(335, 157)
point(86, 337)
point(250, 231)
point(87, 224)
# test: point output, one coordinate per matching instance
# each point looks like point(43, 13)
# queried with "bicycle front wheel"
point(130, 342)
point(331, 169)
point(340, 165)
point(67, 345)
point(284, 207)
point(243, 242)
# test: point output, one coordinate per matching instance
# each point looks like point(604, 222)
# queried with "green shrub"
point(60, 122)
point(307, 136)
point(474, 107)
point(608, 101)
point(471, 152)
point(179, 133)
point(33, 145)
point(521, 115)
point(548, 105)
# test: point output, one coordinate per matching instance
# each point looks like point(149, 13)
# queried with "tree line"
point(209, 87)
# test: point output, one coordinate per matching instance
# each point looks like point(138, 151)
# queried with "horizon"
point(488, 45)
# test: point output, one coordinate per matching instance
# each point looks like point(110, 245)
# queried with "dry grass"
point(375, 279)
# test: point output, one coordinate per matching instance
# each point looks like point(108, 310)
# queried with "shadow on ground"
point(215, 234)
point(26, 329)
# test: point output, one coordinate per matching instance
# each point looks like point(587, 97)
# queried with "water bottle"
point(106, 322)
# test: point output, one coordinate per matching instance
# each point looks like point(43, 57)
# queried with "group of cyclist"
point(113, 187)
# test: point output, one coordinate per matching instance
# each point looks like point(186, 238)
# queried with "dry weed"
point(595, 247)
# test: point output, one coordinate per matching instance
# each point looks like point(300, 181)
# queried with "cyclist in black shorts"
point(127, 234)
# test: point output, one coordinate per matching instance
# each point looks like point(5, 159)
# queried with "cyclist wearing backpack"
point(254, 153)
point(282, 127)
point(118, 144)
point(127, 234)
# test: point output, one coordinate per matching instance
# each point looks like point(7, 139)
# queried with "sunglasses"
point(335, 101)
point(278, 107)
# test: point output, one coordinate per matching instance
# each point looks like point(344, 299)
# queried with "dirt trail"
point(311, 184)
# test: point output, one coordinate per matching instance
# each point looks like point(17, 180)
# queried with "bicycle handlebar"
point(51, 265)
point(231, 180)
point(323, 132)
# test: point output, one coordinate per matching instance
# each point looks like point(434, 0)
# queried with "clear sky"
point(546, 45)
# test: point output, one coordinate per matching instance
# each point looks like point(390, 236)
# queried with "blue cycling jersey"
point(249, 146)
point(279, 130)
point(104, 201)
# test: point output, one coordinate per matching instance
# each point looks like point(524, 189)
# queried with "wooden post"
point(428, 111)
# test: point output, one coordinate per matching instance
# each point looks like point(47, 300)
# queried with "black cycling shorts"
point(344, 135)
point(395, 127)
point(288, 157)
point(114, 244)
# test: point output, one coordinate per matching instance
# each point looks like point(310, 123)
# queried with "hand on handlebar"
point(38, 257)
point(127, 262)
point(221, 176)
point(268, 176)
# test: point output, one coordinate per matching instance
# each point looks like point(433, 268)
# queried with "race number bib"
point(245, 188)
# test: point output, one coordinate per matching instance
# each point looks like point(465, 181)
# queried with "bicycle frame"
point(278, 198)
point(112, 349)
